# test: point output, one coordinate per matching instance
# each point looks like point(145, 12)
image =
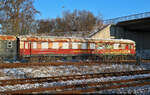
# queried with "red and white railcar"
point(31, 46)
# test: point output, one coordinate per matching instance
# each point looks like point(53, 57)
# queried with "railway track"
point(66, 78)
point(21, 65)
point(99, 86)
point(85, 87)
point(69, 77)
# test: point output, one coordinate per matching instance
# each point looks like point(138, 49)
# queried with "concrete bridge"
point(135, 27)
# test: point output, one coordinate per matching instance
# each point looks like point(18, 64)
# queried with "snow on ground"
point(70, 82)
point(142, 90)
point(47, 71)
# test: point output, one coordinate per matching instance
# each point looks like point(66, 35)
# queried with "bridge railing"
point(127, 18)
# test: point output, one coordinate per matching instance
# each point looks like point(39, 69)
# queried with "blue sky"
point(107, 8)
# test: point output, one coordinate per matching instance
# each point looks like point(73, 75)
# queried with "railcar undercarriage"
point(80, 58)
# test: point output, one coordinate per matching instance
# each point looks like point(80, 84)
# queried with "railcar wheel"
point(105, 58)
point(113, 58)
point(116, 59)
point(34, 59)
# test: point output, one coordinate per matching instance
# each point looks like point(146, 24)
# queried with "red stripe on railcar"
point(53, 51)
point(74, 51)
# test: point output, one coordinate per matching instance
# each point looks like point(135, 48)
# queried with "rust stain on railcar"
point(77, 40)
point(32, 39)
point(41, 39)
point(2, 37)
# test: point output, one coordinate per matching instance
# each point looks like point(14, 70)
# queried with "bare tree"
point(83, 22)
point(44, 26)
point(18, 16)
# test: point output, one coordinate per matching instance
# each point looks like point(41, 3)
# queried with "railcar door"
point(18, 48)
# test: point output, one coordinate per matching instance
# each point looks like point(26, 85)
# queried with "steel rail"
point(96, 86)
point(70, 77)
point(95, 89)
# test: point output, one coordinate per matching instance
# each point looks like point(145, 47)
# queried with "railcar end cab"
point(8, 47)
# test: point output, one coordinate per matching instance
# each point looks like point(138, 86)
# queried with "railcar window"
point(9, 44)
point(106, 46)
point(34, 45)
point(44, 45)
point(92, 45)
point(100, 46)
point(26, 45)
point(132, 46)
point(109, 46)
point(55, 45)
point(84, 46)
point(123, 46)
point(116, 46)
point(119, 47)
point(65, 46)
point(74, 45)
point(21, 45)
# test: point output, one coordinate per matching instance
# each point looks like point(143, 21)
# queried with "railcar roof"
point(25, 37)
point(7, 37)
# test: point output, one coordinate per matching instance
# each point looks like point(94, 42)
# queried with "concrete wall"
point(103, 34)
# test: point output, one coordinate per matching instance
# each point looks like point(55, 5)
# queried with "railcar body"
point(48, 47)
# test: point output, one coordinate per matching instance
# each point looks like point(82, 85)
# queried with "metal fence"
point(126, 18)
